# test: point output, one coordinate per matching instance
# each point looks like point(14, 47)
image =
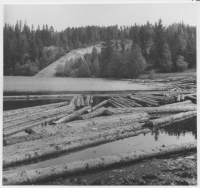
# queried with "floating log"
point(87, 101)
point(185, 103)
point(93, 114)
point(61, 142)
point(118, 102)
point(117, 105)
point(172, 119)
point(145, 97)
point(72, 144)
point(82, 101)
point(73, 100)
point(35, 117)
point(36, 97)
point(151, 110)
point(125, 102)
point(35, 109)
point(100, 105)
point(191, 97)
point(21, 127)
point(72, 116)
point(134, 102)
point(141, 100)
point(91, 99)
point(20, 139)
point(38, 175)
point(78, 101)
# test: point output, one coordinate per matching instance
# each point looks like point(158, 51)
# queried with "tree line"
point(171, 48)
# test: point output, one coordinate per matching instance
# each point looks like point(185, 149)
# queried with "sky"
point(61, 16)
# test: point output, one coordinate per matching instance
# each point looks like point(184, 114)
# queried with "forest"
point(154, 47)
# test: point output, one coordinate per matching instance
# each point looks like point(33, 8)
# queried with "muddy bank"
point(177, 169)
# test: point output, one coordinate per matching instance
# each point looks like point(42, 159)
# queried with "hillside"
point(50, 70)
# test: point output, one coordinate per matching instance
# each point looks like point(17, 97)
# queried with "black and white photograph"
point(99, 93)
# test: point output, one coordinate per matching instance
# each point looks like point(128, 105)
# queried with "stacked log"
point(34, 119)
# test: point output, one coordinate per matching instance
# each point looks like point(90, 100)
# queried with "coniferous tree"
point(166, 63)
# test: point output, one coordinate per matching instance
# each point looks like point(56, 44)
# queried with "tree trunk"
point(36, 97)
point(99, 105)
point(93, 114)
point(35, 117)
point(87, 101)
point(72, 116)
point(185, 103)
point(117, 105)
point(116, 102)
point(67, 169)
point(133, 103)
point(31, 110)
point(172, 119)
point(142, 100)
point(21, 127)
point(151, 110)
point(20, 139)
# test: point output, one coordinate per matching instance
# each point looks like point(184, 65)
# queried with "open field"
point(33, 84)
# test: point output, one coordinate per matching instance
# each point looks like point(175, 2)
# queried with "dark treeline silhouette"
point(28, 50)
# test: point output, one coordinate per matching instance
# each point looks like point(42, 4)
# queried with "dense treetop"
point(28, 50)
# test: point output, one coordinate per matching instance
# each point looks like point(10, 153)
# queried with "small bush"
point(182, 65)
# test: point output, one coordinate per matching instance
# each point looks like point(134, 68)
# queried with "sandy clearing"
point(51, 69)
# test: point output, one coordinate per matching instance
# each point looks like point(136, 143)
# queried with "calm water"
point(177, 133)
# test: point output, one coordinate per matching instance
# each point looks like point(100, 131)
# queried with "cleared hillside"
point(50, 70)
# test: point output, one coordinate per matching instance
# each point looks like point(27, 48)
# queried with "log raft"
point(128, 118)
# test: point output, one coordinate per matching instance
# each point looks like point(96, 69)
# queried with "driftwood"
point(37, 175)
point(72, 116)
point(62, 142)
point(93, 114)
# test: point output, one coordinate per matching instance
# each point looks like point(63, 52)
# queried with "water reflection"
point(178, 129)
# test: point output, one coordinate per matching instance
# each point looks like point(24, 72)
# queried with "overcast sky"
point(63, 16)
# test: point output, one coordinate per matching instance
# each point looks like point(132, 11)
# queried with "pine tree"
point(84, 70)
point(106, 52)
point(166, 63)
point(159, 42)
